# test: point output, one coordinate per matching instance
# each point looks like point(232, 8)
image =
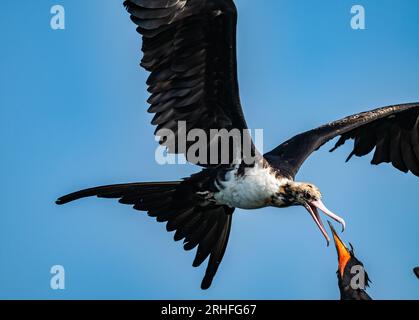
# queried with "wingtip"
point(350, 156)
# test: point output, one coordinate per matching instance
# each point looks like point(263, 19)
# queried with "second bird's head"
point(352, 277)
point(309, 196)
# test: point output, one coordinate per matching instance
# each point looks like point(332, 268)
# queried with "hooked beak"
point(312, 209)
point(343, 253)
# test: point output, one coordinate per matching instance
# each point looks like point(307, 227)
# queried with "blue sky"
point(72, 107)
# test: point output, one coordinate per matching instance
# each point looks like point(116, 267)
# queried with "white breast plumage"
point(252, 190)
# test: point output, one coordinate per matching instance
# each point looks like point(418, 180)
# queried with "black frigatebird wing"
point(189, 47)
point(393, 131)
point(416, 271)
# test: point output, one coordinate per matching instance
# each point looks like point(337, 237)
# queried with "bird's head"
point(309, 196)
point(299, 193)
point(352, 277)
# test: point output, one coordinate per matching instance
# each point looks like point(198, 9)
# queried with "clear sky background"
point(73, 115)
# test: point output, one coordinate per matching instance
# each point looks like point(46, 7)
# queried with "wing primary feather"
point(380, 129)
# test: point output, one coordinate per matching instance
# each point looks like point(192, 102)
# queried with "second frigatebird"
point(352, 277)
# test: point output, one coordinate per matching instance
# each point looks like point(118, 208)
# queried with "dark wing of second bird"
point(393, 132)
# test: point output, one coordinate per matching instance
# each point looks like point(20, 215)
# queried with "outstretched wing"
point(190, 49)
point(393, 132)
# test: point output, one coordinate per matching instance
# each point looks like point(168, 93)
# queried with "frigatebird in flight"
point(350, 288)
point(189, 48)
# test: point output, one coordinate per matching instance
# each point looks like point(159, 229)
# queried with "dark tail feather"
point(200, 223)
point(217, 253)
point(120, 191)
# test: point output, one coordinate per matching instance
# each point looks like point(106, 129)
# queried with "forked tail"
point(199, 222)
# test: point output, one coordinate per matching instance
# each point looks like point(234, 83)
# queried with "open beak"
point(312, 209)
point(343, 253)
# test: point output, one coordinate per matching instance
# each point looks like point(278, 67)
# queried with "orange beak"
point(343, 253)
